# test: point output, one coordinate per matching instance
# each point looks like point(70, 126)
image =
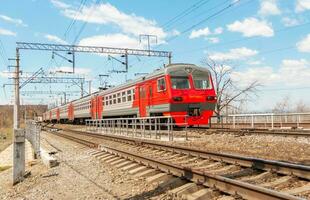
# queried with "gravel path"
point(78, 176)
point(290, 149)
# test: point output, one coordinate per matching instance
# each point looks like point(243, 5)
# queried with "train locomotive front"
point(192, 97)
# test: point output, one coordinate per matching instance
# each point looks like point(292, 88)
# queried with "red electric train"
point(178, 90)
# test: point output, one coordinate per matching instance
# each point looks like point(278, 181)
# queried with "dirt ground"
point(5, 138)
point(78, 176)
point(292, 149)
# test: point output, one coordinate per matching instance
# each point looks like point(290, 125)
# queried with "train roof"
point(158, 72)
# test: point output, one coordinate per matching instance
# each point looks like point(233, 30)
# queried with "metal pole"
point(89, 87)
point(170, 57)
point(73, 61)
point(82, 90)
point(16, 84)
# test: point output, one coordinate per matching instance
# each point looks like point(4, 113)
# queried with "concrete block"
point(47, 159)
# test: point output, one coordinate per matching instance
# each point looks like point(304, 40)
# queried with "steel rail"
point(227, 185)
point(224, 184)
point(302, 171)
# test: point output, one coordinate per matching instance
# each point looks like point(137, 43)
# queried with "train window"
point(133, 94)
point(114, 98)
point(128, 95)
point(201, 79)
point(119, 98)
point(123, 96)
point(161, 85)
point(180, 82)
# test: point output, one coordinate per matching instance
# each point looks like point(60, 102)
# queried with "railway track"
point(246, 177)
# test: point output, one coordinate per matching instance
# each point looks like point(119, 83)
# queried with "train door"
point(143, 100)
point(99, 107)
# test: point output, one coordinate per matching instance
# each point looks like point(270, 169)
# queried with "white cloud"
point(302, 5)
point(105, 13)
point(234, 54)
point(60, 4)
point(252, 27)
point(218, 30)
point(269, 7)
point(254, 62)
point(18, 22)
point(289, 73)
point(205, 32)
point(304, 44)
point(174, 33)
point(199, 33)
point(111, 40)
point(287, 21)
point(213, 40)
point(54, 38)
point(7, 32)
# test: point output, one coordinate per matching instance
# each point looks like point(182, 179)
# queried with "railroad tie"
point(282, 180)
point(257, 177)
point(99, 157)
point(183, 190)
point(128, 162)
point(96, 153)
point(107, 157)
point(147, 173)
point(112, 160)
point(116, 162)
point(138, 169)
point(302, 189)
point(158, 178)
point(102, 154)
point(129, 167)
point(202, 194)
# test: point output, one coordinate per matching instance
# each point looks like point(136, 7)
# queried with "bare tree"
point(283, 105)
point(229, 94)
point(301, 107)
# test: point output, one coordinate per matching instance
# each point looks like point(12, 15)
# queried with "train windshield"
point(201, 80)
point(179, 82)
point(179, 79)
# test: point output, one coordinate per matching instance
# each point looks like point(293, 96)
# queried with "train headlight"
point(211, 98)
point(177, 99)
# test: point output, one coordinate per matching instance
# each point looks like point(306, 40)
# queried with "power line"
point(84, 24)
point(207, 18)
point(203, 13)
point(73, 21)
point(185, 12)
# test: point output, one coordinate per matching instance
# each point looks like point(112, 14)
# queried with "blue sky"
point(264, 40)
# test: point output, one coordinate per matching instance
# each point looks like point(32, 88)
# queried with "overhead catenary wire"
point(73, 21)
point(85, 23)
point(184, 13)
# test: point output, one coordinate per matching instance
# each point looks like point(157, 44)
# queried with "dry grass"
point(2, 168)
point(5, 137)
